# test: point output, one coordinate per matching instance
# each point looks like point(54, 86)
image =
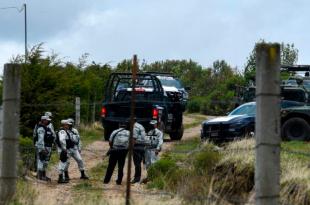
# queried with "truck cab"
point(152, 101)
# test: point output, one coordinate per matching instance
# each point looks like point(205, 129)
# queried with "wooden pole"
point(267, 167)
point(10, 132)
point(77, 111)
point(132, 122)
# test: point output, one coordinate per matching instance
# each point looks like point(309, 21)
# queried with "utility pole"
point(26, 50)
point(9, 132)
point(132, 122)
point(267, 126)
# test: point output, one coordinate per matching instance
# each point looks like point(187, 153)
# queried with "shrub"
point(193, 106)
point(206, 160)
point(161, 168)
point(27, 152)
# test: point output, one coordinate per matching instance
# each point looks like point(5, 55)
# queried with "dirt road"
point(93, 154)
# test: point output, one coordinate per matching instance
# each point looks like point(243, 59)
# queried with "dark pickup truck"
point(152, 102)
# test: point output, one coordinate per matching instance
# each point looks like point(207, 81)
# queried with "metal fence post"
point(10, 131)
point(267, 165)
point(77, 111)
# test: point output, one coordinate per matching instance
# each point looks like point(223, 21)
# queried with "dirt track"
point(52, 193)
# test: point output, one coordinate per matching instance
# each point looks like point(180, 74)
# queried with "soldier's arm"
point(78, 137)
point(62, 139)
point(160, 140)
point(52, 129)
point(40, 142)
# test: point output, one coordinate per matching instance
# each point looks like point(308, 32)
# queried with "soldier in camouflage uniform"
point(154, 141)
point(75, 152)
point(44, 143)
point(138, 150)
point(118, 142)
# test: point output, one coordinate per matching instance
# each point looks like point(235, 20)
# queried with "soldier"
point(155, 141)
point(75, 152)
point(64, 143)
point(44, 143)
point(118, 151)
point(138, 150)
point(50, 126)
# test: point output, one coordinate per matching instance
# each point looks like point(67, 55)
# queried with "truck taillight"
point(155, 113)
point(103, 112)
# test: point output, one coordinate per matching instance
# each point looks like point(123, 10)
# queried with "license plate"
point(214, 134)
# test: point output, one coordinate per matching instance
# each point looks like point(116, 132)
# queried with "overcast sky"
point(112, 30)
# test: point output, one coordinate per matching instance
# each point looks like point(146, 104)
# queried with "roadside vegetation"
point(204, 172)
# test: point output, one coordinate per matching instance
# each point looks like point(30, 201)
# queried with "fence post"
point(93, 116)
point(77, 111)
point(132, 122)
point(267, 165)
point(10, 132)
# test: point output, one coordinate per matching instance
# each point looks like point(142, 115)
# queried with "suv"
point(153, 101)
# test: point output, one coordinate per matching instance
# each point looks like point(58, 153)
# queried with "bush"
point(193, 106)
point(161, 168)
point(27, 152)
point(206, 160)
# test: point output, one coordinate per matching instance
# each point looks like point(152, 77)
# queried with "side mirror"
point(187, 88)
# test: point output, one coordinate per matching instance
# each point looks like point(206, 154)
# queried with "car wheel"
point(248, 132)
point(178, 134)
point(296, 129)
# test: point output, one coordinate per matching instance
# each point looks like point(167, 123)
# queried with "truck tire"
point(295, 129)
point(178, 134)
point(107, 133)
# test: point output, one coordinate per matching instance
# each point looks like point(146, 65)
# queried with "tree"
point(289, 56)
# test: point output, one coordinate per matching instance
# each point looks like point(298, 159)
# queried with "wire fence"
point(28, 153)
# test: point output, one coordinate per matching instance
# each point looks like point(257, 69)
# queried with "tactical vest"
point(48, 136)
point(69, 142)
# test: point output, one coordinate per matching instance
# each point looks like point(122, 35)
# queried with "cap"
point(44, 117)
point(49, 114)
point(71, 120)
point(153, 122)
point(65, 122)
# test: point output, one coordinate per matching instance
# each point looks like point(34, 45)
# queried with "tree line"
point(50, 84)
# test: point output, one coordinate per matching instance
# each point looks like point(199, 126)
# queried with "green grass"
point(297, 149)
point(25, 194)
point(198, 118)
point(90, 192)
point(91, 133)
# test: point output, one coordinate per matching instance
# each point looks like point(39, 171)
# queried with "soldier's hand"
point(157, 152)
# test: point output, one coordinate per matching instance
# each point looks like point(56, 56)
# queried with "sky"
point(113, 30)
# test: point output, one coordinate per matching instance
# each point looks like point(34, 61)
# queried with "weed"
point(25, 194)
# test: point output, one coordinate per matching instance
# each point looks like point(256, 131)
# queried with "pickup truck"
point(152, 102)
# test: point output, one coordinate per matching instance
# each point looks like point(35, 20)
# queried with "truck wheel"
point(107, 133)
point(296, 129)
point(178, 134)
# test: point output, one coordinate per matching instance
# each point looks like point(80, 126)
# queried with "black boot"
point(44, 177)
point(83, 175)
point(67, 178)
point(61, 179)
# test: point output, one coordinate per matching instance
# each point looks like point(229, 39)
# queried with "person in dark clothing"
point(138, 150)
point(118, 142)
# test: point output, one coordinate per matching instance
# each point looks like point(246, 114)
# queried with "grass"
point(91, 133)
point(25, 194)
point(90, 192)
point(197, 119)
